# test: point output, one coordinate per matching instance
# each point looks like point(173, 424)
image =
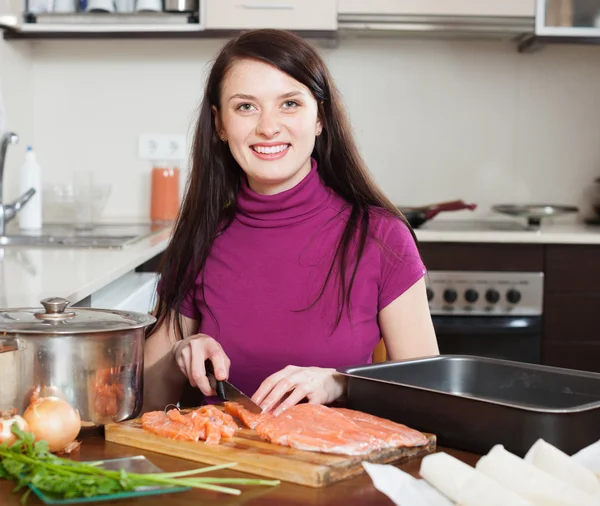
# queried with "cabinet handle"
point(280, 7)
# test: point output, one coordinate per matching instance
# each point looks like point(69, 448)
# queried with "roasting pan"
point(472, 403)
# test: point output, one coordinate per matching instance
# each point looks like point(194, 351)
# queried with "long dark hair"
point(209, 203)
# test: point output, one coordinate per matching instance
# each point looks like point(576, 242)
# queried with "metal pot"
point(92, 358)
point(416, 216)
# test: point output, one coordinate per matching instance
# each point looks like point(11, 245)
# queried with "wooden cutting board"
point(259, 457)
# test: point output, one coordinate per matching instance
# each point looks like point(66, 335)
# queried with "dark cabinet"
point(571, 314)
point(572, 307)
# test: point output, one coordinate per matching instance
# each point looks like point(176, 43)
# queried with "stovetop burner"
point(476, 226)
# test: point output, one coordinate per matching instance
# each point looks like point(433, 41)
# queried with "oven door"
point(516, 338)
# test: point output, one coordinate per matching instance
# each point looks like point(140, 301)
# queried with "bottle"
point(164, 203)
point(30, 216)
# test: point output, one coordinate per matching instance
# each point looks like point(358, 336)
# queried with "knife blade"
point(227, 392)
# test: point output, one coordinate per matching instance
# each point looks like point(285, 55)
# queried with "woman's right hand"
point(190, 354)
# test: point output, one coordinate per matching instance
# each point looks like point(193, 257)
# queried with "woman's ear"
point(319, 127)
point(218, 124)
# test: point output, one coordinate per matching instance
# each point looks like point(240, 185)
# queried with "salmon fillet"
point(160, 424)
point(318, 428)
point(207, 423)
point(249, 419)
point(314, 427)
point(392, 433)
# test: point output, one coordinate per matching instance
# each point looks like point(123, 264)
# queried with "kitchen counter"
point(507, 232)
point(28, 275)
point(354, 491)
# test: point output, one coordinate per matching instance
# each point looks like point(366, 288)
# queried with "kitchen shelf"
point(34, 31)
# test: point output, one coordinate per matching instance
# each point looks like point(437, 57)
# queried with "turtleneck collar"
point(283, 209)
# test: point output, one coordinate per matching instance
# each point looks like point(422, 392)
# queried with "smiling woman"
point(287, 261)
point(262, 128)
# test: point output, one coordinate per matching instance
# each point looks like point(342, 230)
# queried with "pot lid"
point(55, 318)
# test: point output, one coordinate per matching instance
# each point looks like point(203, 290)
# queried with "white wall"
point(16, 87)
point(436, 120)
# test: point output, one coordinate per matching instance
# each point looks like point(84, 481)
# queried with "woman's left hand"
point(319, 385)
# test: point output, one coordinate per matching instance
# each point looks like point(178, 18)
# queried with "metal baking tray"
point(472, 403)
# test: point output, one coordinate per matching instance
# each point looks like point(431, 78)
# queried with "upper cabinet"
point(11, 13)
point(313, 15)
point(482, 8)
point(503, 18)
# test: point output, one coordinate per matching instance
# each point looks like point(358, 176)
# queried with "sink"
point(66, 236)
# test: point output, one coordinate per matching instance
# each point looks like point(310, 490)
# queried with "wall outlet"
point(162, 147)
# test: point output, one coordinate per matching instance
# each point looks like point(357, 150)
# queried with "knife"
point(227, 392)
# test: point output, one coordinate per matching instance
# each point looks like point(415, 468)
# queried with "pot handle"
point(455, 205)
point(11, 344)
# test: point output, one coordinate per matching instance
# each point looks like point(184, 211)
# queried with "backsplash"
point(16, 87)
point(436, 120)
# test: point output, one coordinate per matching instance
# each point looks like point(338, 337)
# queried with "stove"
point(488, 314)
point(485, 293)
point(476, 226)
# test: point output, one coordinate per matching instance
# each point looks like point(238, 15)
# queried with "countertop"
point(508, 232)
point(355, 491)
point(28, 275)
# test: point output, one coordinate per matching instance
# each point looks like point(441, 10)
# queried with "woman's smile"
point(270, 151)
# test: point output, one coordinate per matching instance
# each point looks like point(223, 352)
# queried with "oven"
point(488, 314)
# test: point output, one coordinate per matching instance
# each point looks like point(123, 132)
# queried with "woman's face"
point(270, 122)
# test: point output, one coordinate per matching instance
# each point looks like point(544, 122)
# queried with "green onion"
point(30, 463)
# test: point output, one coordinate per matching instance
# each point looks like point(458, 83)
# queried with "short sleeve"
point(188, 304)
point(401, 265)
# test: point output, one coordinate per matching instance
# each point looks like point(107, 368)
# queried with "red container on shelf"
point(164, 201)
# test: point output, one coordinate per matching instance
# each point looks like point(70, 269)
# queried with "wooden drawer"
point(572, 317)
point(585, 357)
point(282, 14)
point(573, 268)
point(482, 256)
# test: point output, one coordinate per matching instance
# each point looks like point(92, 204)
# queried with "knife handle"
point(219, 388)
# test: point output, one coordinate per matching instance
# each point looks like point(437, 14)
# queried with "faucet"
point(9, 211)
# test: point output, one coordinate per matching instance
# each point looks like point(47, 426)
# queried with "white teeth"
point(268, 150)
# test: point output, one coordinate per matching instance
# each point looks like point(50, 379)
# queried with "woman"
point(287, 261)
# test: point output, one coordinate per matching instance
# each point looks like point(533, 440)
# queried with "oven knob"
point(450, 295)
point(513, 296)
point(471, 295)
point(492, 296)
point(429, 294)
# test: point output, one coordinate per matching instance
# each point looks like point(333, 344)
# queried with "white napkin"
point(469, 486)
point(402, 488)
point(589, 457)
point(568, 469)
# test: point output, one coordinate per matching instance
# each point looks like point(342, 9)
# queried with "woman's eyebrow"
point(243, 96)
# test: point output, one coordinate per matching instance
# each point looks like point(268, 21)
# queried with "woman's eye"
point(245, 107)
point(290, 104)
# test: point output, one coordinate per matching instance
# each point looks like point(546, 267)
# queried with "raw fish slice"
point(249, 419)
point(391, 433)
point(317, 428)
point(159, 423)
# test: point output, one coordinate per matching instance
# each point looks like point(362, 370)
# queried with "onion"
point(6, 422)
point(53, 420)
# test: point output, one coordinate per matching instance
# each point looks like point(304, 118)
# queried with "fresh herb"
point(31, 463)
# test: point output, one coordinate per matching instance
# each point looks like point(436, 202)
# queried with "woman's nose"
point(268, 125)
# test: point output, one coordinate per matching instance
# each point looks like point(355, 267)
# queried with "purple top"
point(269, 266)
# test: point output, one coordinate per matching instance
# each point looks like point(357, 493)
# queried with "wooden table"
point(355, 491)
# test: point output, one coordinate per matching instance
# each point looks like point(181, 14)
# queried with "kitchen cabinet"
point(282, 14)
point(480, 18)
point(571, 307)
point(10, 13)
point(499, 8)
